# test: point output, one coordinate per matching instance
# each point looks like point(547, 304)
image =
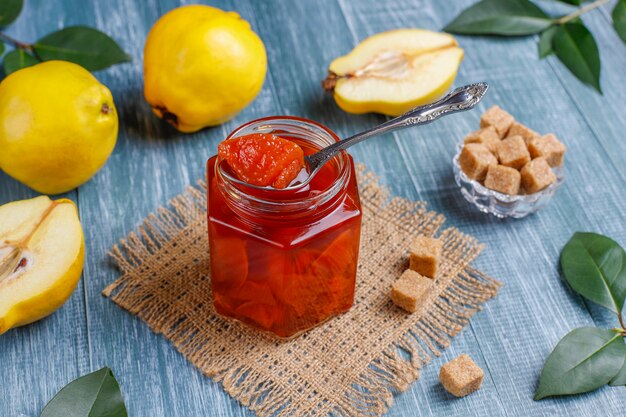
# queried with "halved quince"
point(394, 71)
point(41, 258)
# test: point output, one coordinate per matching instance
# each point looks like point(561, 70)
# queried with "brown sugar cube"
point(518, 129)
point(537, 175)
point(410, 290)
point(475, 159)
point(549, 147)
point(425, 253)
point(487, 136)
point(512, 152)
point(503, 179)
point(461, 376)
point(497, 118)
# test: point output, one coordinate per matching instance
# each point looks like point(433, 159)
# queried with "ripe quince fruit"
point(394, 71)
point(202, 66)
point(41, 258)
point(58, 126)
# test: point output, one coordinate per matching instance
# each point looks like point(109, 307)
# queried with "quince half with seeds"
point(394, 71)
point(41, 258)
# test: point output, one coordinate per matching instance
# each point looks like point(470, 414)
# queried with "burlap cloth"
point(351, 365)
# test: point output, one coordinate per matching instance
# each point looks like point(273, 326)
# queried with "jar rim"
point(272, 200)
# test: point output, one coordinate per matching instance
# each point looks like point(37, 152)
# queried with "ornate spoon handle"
point(460, 99)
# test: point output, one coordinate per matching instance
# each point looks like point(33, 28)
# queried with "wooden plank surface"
point(152, 162)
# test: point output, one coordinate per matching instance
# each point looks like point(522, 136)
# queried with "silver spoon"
point(460, 99)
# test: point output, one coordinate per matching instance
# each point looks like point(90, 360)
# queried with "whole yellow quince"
point(58, 126)
point(202, 66)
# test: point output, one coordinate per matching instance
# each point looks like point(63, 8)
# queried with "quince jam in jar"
point(285, 261)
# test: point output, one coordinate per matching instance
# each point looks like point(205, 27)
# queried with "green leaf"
point(577, 49)
point(16, 60)
point(619, 19)
point(9, 11)
point(94, 395)
point(620, 378)
point(1, 48)
point(595, 267)
point(500, 17)
point(584, 360)
point(82, 45)
point(572, 2)
point(545, 42)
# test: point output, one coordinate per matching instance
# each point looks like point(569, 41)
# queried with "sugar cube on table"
point(503, 179)
point(512, 152)
point(487, 136)
point(549, 147)
point(518, 129)
point(498, 118)
point(425, 254)
point(410, 291)
point(537, 175)
point(475, 159)
point(461, 376)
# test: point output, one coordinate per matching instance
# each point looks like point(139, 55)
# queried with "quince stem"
point(328, 83)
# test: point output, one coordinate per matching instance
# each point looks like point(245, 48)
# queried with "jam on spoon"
point(263, 159)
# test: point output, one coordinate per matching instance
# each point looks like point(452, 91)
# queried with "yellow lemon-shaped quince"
point(394, 71)
point(58, 126)
point(41, 258)
point(202, 66)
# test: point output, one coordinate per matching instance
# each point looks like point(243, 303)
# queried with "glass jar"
point(285, 261)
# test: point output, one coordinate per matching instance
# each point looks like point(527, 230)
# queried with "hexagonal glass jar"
point(285, 261)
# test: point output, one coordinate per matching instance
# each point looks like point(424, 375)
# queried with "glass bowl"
point(503, 205)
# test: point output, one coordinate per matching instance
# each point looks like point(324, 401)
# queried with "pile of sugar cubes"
point(461, 376)
point(411, 290)
point(508, 157)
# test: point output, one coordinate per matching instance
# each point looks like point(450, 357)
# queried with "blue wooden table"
point(152, 162)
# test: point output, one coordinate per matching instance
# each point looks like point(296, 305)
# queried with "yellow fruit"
point(58, 126)
point(394, 71)
point(202, 66)
point(41, 258)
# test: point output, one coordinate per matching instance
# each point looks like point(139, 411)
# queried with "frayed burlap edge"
point(459, 292)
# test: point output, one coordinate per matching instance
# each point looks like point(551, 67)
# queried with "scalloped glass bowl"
point(503, 205)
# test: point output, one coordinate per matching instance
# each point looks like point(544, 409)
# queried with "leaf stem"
point(581, 11)
point(18, 44)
